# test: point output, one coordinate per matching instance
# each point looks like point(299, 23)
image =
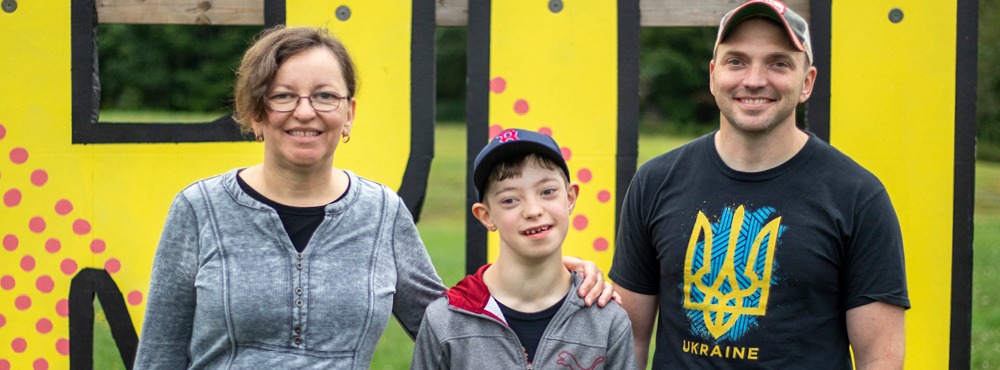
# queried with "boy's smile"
point(530, 212)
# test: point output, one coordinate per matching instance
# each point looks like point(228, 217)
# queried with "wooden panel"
point(654, 13)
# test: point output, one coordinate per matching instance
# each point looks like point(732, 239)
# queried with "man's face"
point(758, 77)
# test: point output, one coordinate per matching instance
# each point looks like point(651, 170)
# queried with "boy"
point(521, 311)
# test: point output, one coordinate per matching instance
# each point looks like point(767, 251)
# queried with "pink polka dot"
point(498, 85)
point(567, 154)
point(63, 207)
point(12, 198)
point(521, 106)
point(39, 177)
point(600, 244)
point(4, 364)
point(7, 282)
point(18, 345)
point(580, 222)
point(18, 155)
point(3, 320)
point(53, 245)
point(43, 326)
point(3, 132)
point(40, 364)
point(584, 175)
point(22, 302)
point(97, 246)
point(603, 196)
point(68, 266)
point(135, 297)
point(45, 284)
point(27, 263)
point(10, 242)
point(62, 308)
point(37, 224)
point(81, 226)
point(112, 265)
point(495, 130)
point(62, 345)
point(545, 131)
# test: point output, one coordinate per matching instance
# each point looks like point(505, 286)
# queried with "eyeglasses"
point(320, 102)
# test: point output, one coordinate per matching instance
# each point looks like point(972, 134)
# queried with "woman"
point(291, 263)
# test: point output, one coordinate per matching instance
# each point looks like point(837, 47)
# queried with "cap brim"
point(758, 9)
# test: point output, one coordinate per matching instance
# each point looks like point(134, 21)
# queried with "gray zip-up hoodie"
point(466, 330)
point(229, 291)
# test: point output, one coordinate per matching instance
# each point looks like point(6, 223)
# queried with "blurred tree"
point(170, 67)
point(451, 76)
point(988, 90)
point(673, 78)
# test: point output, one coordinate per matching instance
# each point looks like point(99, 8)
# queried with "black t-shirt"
point(757, 270)
point(299, 222)
point(529, 327)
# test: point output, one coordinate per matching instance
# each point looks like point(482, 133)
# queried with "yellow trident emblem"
point(711, 282)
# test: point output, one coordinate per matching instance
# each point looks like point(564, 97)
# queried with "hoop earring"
point(346, 138)
point(260, 139)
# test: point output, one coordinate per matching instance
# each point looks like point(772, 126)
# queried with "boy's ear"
point(482, 213)
point(572, 193)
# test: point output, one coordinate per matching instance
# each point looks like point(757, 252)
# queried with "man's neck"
point(758, 152)
point(528, 287)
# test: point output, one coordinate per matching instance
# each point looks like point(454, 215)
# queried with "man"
point(759, 245)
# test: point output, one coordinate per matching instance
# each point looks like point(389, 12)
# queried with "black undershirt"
point(529, 327)
point(300, 222)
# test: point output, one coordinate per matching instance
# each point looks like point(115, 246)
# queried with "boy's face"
point(531, 212)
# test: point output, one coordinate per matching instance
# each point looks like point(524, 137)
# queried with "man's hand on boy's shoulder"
point(594, 286)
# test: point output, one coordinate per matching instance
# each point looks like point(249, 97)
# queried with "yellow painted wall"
point(558, 73)
point(892, 109)
point(122, 191)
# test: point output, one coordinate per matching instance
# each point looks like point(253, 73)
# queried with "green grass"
point(442, 229)
point(112, 116)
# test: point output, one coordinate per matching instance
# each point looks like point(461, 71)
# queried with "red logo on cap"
point(777, 5)
point(509, 135)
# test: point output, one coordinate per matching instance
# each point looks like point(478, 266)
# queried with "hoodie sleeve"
point(428, 352)
point(621, 352)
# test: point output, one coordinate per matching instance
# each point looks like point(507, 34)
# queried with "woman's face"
point(305, 138)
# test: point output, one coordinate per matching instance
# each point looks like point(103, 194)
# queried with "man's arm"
point(641, 310)
point(877, 334)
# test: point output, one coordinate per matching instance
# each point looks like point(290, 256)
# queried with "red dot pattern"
point(45, 284)
point(55, 236)
point(112, 265)
point(36, 225)
point(498, 85)
point(68, 266)
point(22, 302)
point(521, 107)
point(18, 155)
point(7, 282)
point(39, 177)
point(97, 246)
point(62, 346)
point(62, 308)
point(584, 175)
point(19, 345)
point(135, 297)
point(10, 242)
point(53, 245)
point(81, 226)
point(12, 198)
point(27, 263)
point(64, 207)
point(43, 326)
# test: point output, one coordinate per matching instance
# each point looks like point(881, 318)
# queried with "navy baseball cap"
point(512, 142)
point(795, 26)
